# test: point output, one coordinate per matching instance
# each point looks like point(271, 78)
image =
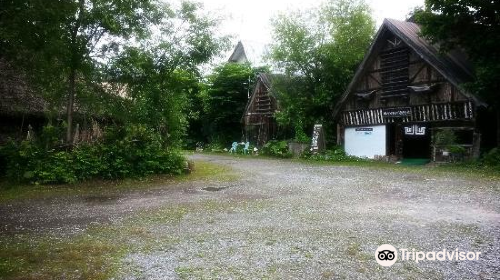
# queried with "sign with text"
point(396, 112)
point(318, 142)
point(364, 129)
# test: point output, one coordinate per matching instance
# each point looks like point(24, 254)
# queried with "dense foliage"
point(276, 149)
point(473, 26)
point(492, 159)
point(162, 73)
point(133, 65)
point(61, 43)
point(318, 53)
point(224, 101)
point(131, 151)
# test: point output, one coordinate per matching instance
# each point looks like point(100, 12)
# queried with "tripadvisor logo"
point(387, 255)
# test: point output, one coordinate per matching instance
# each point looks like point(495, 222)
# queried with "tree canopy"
point(318, 52)
point(224, 101)
point(75, 51)
point(473, 26)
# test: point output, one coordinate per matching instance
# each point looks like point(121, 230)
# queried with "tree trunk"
point(75, 63)
point(69, 109)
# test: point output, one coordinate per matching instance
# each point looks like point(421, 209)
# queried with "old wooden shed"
point(402, 94)
point(258, 119)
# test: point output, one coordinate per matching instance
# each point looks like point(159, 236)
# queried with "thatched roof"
point(16, 98)
point(249, 52)
point(453, 65)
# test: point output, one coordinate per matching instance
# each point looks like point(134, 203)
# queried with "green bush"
point(276, 148)
point(335, 154)
point(132, 151)
point(492, 158)
point(28, 161)
point(214, 147)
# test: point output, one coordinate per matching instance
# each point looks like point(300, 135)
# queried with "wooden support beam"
point(412, 79)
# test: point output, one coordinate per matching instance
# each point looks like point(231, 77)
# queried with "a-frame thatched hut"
point(258, 119)
point(404, 92)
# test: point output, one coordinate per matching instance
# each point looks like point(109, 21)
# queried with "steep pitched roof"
point(248, 51)
point(453, 66)
point(264, 79)
point(16, 98)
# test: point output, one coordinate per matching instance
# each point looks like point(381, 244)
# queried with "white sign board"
point(366, 141)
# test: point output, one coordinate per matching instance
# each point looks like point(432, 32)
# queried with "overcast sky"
point(250, 19)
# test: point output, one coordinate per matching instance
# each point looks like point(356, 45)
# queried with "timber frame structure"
point(406, 91)
point(258, 118)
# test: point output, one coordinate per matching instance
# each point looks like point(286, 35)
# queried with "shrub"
point(277, 149)
point(27, 161)
point(445, 137)
point(492, 158)
point(132, 151)
point(215, 147)
point(335, 154)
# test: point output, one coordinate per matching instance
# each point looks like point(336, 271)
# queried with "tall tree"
point(161, 73)
point(66, 40)
point(318, 52)
point(224, 101)
point(475, 27)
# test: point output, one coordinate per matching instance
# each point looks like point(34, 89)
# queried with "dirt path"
point(286, 220)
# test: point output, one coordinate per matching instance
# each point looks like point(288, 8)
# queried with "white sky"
point(250, 19)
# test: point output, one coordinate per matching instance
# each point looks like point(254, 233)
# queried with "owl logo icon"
point(386, 255)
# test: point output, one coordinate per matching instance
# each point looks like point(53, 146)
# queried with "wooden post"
point(339, 135)
point(476, 145)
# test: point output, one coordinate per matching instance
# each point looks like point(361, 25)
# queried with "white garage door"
point(366, 141)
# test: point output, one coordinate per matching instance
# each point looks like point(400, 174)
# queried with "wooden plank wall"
point(420, 73)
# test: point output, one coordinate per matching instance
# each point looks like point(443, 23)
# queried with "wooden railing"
point(420, 113)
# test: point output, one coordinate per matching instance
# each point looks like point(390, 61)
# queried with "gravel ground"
point(289, 220)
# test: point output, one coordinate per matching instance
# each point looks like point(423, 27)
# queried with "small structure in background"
point(22, 111)
point(318, 139)
point(258, 119)
point(249, 52)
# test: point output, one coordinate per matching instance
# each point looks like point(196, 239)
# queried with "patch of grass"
point(12, 191)
point(81, 257)
point(93, 254)
point(202, 171)
point(162, 216)
point(188, 272)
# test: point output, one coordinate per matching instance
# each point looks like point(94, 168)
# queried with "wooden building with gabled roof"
point(403, 93)
point(258, 118)
point(20, 107)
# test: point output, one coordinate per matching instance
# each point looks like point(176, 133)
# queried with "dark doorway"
point(416, 141)
point(391, 139)
point(394, 140)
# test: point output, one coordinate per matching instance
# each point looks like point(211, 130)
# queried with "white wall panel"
point(366, 141)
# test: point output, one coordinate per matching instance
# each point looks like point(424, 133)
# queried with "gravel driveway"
point(289, 220)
